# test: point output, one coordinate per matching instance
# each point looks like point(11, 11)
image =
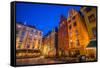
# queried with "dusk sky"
point(44, 17)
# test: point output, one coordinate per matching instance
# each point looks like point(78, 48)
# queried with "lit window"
point(35, 36)
point(31, 34)
point(71, 42)
point(19, 46)
point(63, 22)
point(18, 29)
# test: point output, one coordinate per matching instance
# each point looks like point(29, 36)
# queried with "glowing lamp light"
point(70, 40)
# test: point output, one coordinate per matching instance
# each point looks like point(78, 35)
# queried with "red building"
point(63, 37)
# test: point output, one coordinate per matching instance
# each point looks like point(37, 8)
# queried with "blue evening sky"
point(44, 17)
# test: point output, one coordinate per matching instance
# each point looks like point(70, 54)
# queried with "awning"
point(27, 50)
point(92, 43)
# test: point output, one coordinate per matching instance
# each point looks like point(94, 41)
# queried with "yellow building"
point(50, 43)
point(78, 35)
point(28, 41)
point(28, 37)
point(90, 20)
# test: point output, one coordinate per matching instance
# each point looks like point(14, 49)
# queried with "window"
point(63, 22)
point(36, 32)
point(69, 21)
point(70, 27)
point(23, 33)
point(22, 36)
point(34, 39)
point(24, 28)
point(64, 26)
point(76, 31)
point(21, 39)
point(19, 46)
point(64, 33)
point(35, 36)
point(18, 29)
point(28, 46)
point(94, 32)
point(18, 26)
point(71, 43)
point(17, 33)
point(39, 42)
point(77, 42)
point(60, 25)
point(30, 36)
point(91, 18)
point(33, 47)
point(31, 31)
point(74, 24)
point(73, 17)
point(40, 33)
point(87, 9)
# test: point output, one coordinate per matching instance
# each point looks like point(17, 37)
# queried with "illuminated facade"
point(78, 35)
point(50, 43)
point(90, 20)
point(28, 37)
point(63, 43)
